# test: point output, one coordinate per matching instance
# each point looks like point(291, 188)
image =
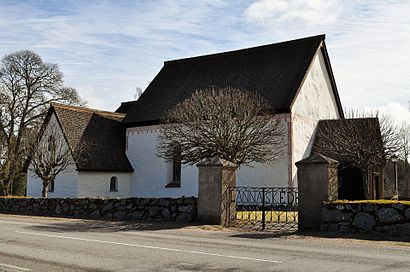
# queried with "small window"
point(51, 187)
point(51, 143)
point(176, 168)
point(113, 184)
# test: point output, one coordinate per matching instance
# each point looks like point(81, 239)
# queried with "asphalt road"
point(50, 244)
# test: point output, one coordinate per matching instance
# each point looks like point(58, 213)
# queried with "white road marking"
point(150, 247)
point(14, 267)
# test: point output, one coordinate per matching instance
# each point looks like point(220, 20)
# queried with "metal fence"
point(262, 208)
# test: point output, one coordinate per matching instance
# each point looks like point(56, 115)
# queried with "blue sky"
point(108, 48)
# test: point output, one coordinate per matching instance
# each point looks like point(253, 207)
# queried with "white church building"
point(295, 77)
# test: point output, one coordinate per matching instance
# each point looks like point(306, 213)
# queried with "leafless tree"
point(367, 139)
point(354, 142)
point(227, 123)
point(388, 127)
point(138, 92)
point(404, 135)
point(27, 86)
point(50, 156)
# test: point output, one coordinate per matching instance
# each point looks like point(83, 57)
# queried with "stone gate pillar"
point(214, 178)
point(317, 182)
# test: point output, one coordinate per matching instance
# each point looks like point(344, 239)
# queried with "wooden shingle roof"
point(274, 71)
point(100, 133)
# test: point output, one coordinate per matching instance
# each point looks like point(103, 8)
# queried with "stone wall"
point(148, 209)
point(389, 219)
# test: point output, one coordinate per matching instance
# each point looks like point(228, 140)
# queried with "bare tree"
point(353, 142)
point(27, 86)
point(51, 154)
point(138, 92)
point(404, 135)
point(227, 123)
point(388, 128)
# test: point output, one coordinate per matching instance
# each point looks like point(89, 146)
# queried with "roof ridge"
point(238, 51)
point(85, 109)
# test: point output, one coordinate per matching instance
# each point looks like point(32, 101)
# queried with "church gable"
point(100, 135)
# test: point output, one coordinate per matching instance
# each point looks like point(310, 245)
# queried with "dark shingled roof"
point(125, 106)
point(274, 71)
point(100, 133)
point(359, 136)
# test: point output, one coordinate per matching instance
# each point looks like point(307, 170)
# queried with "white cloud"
point(398, 112)
point(311, 12)
point(107, 48)
point(91, 96)
point(368, 43)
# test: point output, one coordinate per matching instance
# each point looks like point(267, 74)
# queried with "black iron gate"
point(262, 208)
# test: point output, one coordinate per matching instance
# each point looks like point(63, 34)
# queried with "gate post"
point(214, 178)
point(263, 209)
point(317, 182)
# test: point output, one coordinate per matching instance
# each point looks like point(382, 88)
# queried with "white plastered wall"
point(152, 174)
point(98, 184)
point(314, 101)
point(65, 184)
point(274, 174)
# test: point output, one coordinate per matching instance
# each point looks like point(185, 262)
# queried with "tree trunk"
point(45, 188)
point(5, 188)
point(407, 178)
point(365, 177)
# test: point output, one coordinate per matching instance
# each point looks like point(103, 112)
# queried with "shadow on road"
point(320, 234)
point(357, 236)
point(106, 226)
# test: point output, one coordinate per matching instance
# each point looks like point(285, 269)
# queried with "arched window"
point(114, 184)
point(176, 168)
point(51, 143)
point(51, 186)
point(176, 164)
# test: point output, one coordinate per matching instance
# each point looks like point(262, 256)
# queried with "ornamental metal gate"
point(262, 208)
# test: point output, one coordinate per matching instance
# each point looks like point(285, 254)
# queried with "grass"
point(270, 216)
point(376, 202)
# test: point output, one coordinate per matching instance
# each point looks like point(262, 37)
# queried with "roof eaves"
point(332, 80)
point(306, 74)
point(64, 134)
point(87, 110)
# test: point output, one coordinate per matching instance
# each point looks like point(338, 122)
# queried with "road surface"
point(51, 244)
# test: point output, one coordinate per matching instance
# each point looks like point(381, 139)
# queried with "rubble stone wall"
point(388, 219)
point(145, 209)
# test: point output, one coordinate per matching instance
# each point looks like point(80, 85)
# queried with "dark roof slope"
point(274, 71)
point(125, 106)
point(100, 133)
point(350, 141)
